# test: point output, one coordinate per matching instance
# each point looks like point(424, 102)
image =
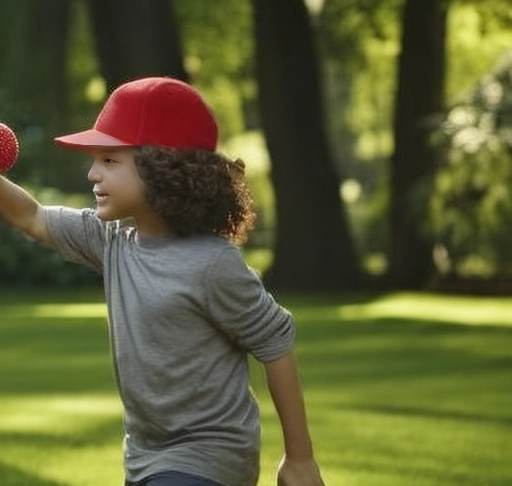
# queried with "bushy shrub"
point(26, 263)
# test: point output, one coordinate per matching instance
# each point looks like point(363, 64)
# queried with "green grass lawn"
point(402, 390)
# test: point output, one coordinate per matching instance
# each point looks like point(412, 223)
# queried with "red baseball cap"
point(150, 111)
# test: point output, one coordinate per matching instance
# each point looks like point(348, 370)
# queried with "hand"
point(298, 473)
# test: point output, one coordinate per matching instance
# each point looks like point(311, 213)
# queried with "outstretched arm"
point(298, 467)
point(22, 211)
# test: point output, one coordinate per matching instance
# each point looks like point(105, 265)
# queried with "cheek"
point(133, 184)
point(140, 189)
point(137, 192)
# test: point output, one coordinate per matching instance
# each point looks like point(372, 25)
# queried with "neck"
point(152, 228)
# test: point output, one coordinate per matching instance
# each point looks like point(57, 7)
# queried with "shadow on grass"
point(413, 475)
point(12, 476)
point(40, 295)
point(424, 412)
point(45, 355)
point(400, 349)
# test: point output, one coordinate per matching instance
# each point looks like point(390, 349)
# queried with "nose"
point(94, 174)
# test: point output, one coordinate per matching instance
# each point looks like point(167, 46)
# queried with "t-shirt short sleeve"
point(78, 235)
point(245, 311)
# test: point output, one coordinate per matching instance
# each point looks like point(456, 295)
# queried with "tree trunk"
point(33, 41)
point(136, 38)
point(314, 249)
point(419, 102)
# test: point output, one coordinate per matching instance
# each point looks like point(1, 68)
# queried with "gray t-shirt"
point(183, 314)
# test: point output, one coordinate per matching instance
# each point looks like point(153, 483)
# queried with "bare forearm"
point(298, 467)
point(286, 391)
point(21, 210)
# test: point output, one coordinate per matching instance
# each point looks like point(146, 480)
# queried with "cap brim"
point(88, 139)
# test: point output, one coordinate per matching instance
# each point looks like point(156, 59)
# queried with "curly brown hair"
point(197, 191)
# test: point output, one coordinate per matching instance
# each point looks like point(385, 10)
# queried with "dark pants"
point(173, 478)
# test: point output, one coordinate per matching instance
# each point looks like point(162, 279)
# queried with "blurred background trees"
point(313, 243)
point(419, 103)
point(377, 134)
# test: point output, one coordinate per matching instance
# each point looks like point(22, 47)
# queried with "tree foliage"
point(218, 55)
point(471, 208)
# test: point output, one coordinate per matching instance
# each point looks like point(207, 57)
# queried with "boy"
point(184, 310)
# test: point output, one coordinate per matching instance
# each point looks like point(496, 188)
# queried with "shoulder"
point(215, 257)
point(62, 218)
point(210, 247)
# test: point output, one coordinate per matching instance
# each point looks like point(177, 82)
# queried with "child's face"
point(119, 189)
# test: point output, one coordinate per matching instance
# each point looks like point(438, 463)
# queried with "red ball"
point(9, 148)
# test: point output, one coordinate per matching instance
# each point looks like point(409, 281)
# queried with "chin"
point(106, 215)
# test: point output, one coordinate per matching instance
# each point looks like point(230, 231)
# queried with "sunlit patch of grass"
point(52, 436)
point(59, 310)
point(402, 305)
point(54, 413)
